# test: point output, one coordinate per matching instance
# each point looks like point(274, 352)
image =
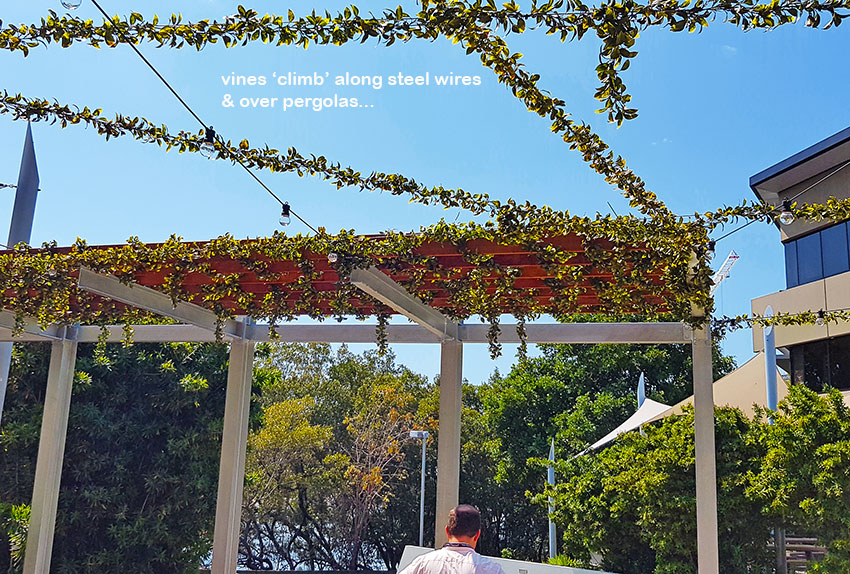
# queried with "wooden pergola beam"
point(396, 297)
point(151, 300)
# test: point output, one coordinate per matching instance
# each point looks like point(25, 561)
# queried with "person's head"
point(464, 524)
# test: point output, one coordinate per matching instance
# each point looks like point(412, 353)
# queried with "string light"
point(71, 4)
point(821, 318)
point(333, 257)
point(207, 148)
point(285, 219)
point(786, 217)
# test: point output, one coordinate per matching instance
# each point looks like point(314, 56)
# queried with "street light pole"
point(424, 436)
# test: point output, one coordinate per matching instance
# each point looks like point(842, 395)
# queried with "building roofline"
point(798, 158)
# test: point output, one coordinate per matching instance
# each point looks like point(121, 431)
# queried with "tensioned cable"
point(200, 121)
point(820, 181)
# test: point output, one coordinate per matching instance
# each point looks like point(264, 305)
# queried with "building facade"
point(817, 263)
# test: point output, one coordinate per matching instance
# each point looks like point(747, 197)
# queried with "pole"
point(20, 230)
point(51, 454)
point(550, 478)
point(708, 559)
point(231, 474)
point(772, 399)
point(448, 446)
point(422, 495)
point(770, 362)
point(421, 434)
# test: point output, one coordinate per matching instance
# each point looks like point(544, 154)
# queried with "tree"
point(141, 457)
point(803, 480)
point(287, 482)
point(347, 500)
point(378, 428)
point(575, 394)
point(634, 503)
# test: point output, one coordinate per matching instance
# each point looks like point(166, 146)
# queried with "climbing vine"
point(658, 265)
point(599, 268)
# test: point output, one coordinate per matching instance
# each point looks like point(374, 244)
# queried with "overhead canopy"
point(281, 277)
point(741, 389)
point(649, 411)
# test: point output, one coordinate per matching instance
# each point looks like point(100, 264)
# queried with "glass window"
point(798, 365)
point(834, 246)
point(816, 357)
point(809, 258)
point(791, 265)
point(839, 358)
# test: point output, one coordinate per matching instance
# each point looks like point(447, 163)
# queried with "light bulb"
point(786, 217)
point(207, 148)
point(51, 271)
point(71, 4)
point(284, 215)
point(710, 251)
point(821, 318)
point(333, 257)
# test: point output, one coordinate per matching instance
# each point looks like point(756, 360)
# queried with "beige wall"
point(828, 294)
point(837, 185)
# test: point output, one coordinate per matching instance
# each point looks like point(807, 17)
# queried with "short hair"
point(464, 520)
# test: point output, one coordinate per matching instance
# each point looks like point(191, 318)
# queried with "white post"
point(772, 396)
point(51, 451)
point(231, 474)
point(550, 480)
point(706, 471)
point(422, 494)
point(448, 445)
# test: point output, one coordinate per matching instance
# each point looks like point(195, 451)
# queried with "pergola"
point(374, 287)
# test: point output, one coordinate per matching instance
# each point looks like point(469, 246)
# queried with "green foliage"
point(331, 480)
point(14, 523)
point(474, 27)
point(634, 503)
point(642, 282)
point(141, 458)
point(577, 392)
point(574, 393)
point(804, 478)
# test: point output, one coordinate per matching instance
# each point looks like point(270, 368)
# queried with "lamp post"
point(423, 434)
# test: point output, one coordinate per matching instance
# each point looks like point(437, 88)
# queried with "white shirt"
point(452, 560)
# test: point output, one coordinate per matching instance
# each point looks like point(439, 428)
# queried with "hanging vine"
point(641, 266)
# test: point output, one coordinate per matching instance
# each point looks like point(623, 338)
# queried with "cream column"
point(448, 447)
point(51, 452)
point(706, 460)
point(234, 441)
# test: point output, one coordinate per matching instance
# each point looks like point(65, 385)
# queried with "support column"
point(448, 447)
point(706, 464)
point(231, 474)
point(772, 396)
point(51, 452)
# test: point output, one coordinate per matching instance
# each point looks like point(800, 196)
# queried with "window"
point(809, 258)
point(821, 254)
point(791, 279)
point(839, 358)
point(834, 247)
point(822, 363)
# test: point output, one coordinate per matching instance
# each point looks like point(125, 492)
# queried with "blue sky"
point(715, 108)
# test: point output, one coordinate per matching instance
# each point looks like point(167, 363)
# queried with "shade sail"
point(649, 411)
